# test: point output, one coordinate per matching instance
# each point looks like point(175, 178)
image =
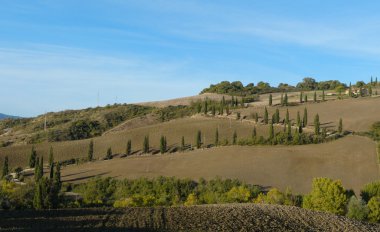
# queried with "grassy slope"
point(231, 217)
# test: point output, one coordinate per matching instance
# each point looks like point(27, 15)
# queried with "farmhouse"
point(357, 91)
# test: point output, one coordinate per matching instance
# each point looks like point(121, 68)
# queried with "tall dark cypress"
point(5, 167)
point(90, 155)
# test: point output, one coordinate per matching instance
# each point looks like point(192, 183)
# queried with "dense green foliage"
point(326, 195)
point(236, 88)
point(164, 191)
point(370, 190)
point(357, 209)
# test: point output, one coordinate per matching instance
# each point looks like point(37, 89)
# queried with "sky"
point(70, 54)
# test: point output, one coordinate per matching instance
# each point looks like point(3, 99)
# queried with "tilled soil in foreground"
point(230, 217)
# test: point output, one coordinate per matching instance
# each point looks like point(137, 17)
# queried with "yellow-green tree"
point(326, 195)
point(238, 194)
point(374, 209)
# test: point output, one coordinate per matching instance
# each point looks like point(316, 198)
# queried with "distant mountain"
point(3, 116)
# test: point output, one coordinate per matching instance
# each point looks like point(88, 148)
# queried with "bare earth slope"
point(231, 217)
point(351, 159)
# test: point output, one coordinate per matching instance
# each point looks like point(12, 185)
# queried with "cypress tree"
point(146, 145)
point(254, 133)
point(376, 81)
point(282, 99)
point(51, 173)
point(51, 156)
point(128, 150)
point(109, 153)
point(304, 117)
point(90, 155)
point(37, 199)
point(32, 158)
point(340, 127)
point(221, 111)
point(227, 110)
point(232, 101)
point(213, 110)
point(257, 118)
point(5, 167)
point(266, 116)
point(315, 96)
point(216, 137)
point(316, 125)
point(271, 132)
point(277, 117)
point(301, 93)
point(306, 98)
point(162, 144)
point(223, 101)
point(205, 107)
point(289, 130)
point(234, 138)
point(323, 95)
point(270, 99)
point(37, 172)
point(286, 99)
point(287, 116)
point(371, 80)
point(296, 137)
point(57, 176)
point(198, 139)
point(183, 142)
point(199, 107)
point(298, 119)
point(370, 90)
point(300, 129)
point(41, 167)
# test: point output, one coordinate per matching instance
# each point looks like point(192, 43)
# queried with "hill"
point(4, 116)
point(230, 217)
point(268, 166)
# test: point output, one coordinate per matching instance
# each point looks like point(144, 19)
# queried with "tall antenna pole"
point(45, 123)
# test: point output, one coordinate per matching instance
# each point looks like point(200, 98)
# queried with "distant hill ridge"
point(4, 116)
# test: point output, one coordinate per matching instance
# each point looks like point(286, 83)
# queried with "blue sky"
point(57, 55)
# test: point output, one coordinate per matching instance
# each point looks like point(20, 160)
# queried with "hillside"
point(231, 217)
point(268, 166)
point(4, 116)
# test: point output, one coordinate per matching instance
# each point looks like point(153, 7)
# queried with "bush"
point(192, 199)
point(374, 209)
point(326, 195)
point(370, 190)
point(239, 194)
point(357, 209)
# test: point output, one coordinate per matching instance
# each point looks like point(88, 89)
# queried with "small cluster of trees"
point(222, 107)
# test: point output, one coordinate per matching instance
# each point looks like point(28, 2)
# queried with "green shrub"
point(326, 195)
point(357, 209)
point(370, 190)
point(374, 209)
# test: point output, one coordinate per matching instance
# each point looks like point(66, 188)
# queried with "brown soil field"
point(173, 130)
point(351, 159)
point(229, 217)
point(357, 114)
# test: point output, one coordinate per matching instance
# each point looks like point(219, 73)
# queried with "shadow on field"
point(73, 174)
point(84, 177)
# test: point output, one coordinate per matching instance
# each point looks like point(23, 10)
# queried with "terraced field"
point(231, 217)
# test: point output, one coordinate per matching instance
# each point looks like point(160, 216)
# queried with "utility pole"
point(45, 122)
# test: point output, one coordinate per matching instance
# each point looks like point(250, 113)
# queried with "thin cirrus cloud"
point(55, 78)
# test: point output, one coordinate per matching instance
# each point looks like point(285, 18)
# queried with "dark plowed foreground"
point(233, 217)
